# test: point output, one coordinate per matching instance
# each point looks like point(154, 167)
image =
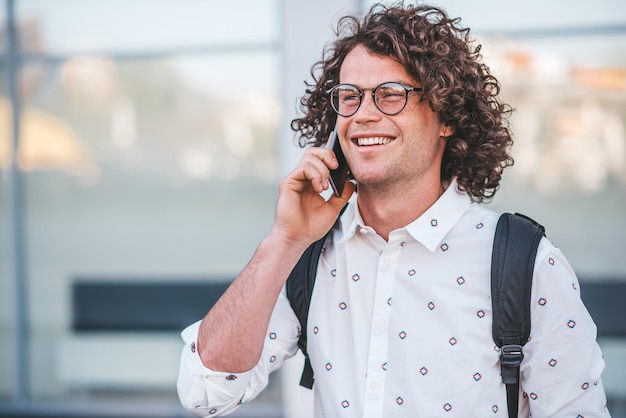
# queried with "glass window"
point(145, 26)
point(147, 129)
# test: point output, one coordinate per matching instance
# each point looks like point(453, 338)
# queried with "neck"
point(387, 210)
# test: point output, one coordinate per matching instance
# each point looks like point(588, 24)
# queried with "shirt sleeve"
point(205, 392)
point(563, 362)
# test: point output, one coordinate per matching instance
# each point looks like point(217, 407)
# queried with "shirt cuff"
point(200, 387)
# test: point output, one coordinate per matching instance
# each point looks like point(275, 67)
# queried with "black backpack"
point(513, 259)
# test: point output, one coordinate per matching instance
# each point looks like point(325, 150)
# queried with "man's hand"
point(302, 214)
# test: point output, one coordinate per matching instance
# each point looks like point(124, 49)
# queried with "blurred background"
point(141, 144)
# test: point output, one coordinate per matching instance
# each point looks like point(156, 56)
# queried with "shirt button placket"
point(379, 334)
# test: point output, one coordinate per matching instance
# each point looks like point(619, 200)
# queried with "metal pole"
point(16, 221)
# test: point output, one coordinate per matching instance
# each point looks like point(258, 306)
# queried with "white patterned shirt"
point(402, 328)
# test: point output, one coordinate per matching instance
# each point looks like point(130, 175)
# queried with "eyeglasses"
point(390, 98)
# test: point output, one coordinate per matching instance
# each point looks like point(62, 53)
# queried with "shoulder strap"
point(299, 290)
point(513, 260)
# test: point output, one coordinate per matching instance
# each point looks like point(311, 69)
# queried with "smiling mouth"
point(377, 140)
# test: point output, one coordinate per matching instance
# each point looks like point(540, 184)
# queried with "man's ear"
point(446, 131)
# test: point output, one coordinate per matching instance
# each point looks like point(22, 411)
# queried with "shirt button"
point(380, 322)
point(375, 385)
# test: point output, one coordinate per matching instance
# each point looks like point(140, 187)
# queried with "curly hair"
point(437, 51)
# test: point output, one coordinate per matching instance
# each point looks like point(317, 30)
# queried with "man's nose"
point(368, 109)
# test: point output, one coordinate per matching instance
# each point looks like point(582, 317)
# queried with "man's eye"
point(390, 94)
point(348, 97)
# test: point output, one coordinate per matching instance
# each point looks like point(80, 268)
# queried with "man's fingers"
point(322, 154)
point(315, 167)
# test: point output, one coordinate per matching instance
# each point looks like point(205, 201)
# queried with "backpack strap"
point(299, 287)
point(515, 246)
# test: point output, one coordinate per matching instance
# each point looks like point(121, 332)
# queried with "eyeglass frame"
point(408, 89)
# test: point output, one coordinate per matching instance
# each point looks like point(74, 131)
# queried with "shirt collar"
point(351, 221)
point(429, 229)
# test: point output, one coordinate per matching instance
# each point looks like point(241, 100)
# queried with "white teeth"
point(378, 140)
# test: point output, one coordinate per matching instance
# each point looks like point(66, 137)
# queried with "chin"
point(372, 174)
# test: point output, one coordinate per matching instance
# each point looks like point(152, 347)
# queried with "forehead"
point(367, 69)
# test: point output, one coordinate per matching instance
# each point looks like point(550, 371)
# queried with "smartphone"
point(338, 176)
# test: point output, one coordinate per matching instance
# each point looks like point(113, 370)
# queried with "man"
point(400, 317)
